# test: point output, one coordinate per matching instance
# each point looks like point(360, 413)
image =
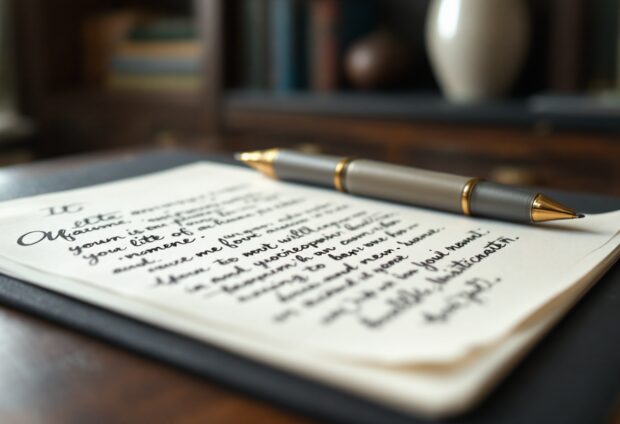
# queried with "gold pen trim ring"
point(340, 173)
point(468, 188)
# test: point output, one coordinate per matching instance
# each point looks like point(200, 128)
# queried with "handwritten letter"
point(365, 279)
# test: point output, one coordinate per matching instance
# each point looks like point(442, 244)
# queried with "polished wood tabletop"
point(52, 374)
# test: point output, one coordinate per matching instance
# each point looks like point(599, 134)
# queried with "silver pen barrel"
point(438, 190)
point(290, 165)
point(407, 185)
point(374, 179)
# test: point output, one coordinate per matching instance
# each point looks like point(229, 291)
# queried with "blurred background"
point(517, 91)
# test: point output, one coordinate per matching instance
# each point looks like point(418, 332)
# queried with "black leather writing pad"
point(572, 376)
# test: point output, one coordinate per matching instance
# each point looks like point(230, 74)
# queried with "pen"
point(448, 192)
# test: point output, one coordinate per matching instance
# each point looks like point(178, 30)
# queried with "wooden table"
point(52, 374)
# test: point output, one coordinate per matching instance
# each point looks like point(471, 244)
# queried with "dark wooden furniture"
point(509, 141)
point(76, 116)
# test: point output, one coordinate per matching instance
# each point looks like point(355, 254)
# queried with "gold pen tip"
point(248, 157)
point(545, 209)
point(261, 160)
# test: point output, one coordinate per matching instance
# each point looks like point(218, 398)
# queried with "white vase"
point(476, 47)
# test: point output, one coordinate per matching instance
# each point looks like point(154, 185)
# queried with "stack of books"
point(289, 45)
point(161, 55)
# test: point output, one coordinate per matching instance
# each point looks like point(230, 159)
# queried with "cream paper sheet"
point(220, 253)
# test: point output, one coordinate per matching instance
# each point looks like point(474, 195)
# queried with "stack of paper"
point(420, 310)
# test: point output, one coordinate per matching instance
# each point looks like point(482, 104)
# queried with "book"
point(166, 29)
point(602, 45)
point(165, 48)
point(101, 34)
point(288, 46)
point(160, 55)
point(302, 278)
point(154, 82)
point(334, 25)
point(324, 52)
point(155, 65)
point(255, 49)
point(566, 47)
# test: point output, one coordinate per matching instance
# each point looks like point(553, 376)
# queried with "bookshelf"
point(77, 115)
point(514, 140)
